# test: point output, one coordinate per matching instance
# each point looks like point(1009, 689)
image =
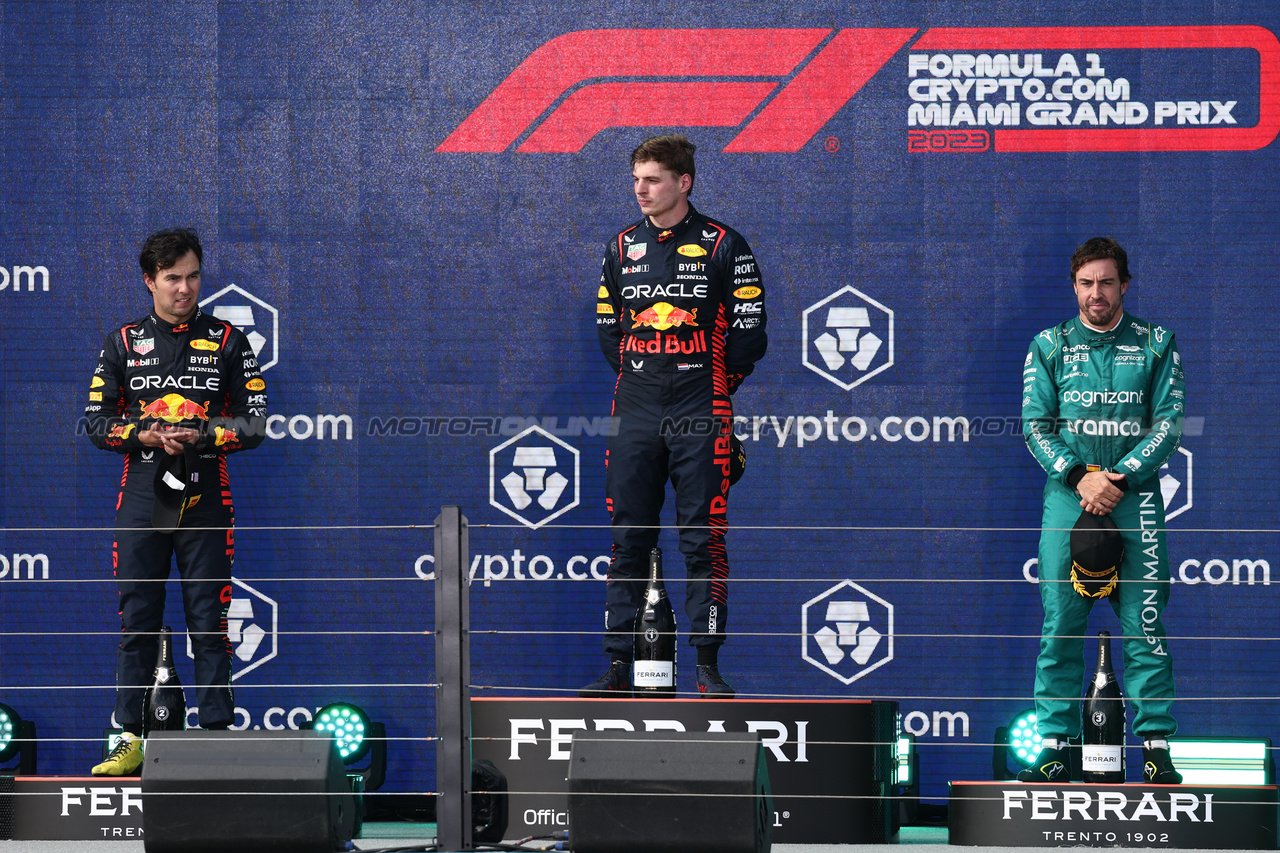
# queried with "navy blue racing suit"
point(202, 374)
point(681, 318)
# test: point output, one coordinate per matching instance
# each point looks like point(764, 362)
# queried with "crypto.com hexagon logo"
point(847, 631)
point(1175, 484)
point(237, 306)
point(528, 477)
point(253, 622)
point(851, 339)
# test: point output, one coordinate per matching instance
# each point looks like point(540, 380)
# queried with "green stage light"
point(347, 724)
point(905, 793)
point(355, 736)
point(902, 766)
point(9, 723)
point(1222, 761)
point(1024, 739)
point(17, 738)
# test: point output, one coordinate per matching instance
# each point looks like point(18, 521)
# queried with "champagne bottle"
point(655, 646)
point(1103, 710)
point(164, 708)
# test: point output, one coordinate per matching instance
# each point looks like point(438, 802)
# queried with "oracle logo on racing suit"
point(634, 292)
point(187, 383)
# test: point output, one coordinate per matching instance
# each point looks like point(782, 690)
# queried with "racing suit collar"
point(1092, 334)
point(166, 326)
point(662, 235)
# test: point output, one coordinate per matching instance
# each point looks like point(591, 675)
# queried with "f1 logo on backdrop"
point(816, 72)
point(847, 337)
point(253, 623)
point(534, 477)
point(847, 631)
point(560, 95)
point(259, 321)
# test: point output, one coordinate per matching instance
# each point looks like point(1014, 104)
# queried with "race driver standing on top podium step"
point(680, 316)
point(1102, 408)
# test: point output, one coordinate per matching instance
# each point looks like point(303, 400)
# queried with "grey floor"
point(379, 835)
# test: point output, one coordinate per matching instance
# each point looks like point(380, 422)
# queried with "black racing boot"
point(1050, 766)
point(711, 685)
point(1157, 764)
point(614, 684)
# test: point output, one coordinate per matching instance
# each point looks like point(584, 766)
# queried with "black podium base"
point(830, 761)
point(70, 808)
point(1013, 814)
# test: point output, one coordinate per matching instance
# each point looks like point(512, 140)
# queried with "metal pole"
point(453, 673)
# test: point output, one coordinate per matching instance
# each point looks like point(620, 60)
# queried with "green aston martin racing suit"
point(1111, 400)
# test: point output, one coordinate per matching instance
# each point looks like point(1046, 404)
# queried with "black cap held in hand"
point(1096, 552)
point(173, 486)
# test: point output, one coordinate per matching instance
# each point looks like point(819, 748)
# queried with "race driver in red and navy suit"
point(680, 316)
point(176, 382)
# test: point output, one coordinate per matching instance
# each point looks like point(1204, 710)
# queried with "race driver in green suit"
point(1102, 409)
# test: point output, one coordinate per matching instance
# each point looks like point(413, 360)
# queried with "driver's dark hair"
point(163, 249)
point(1098, 249)
point(672, 152)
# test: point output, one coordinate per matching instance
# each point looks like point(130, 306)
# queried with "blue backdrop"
point(407, 202)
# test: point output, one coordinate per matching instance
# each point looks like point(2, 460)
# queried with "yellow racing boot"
point(124, 760)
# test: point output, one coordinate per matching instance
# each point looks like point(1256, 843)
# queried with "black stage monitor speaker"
point(284, 792)
point(669, 792)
